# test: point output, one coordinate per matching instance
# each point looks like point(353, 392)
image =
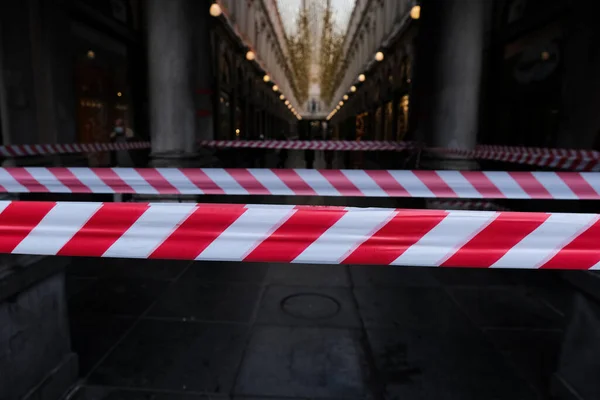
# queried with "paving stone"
point(104, 393)
point(453, 364)
point(472, 277)
point(506, 308)
point(386, 276)
point(125, 268)
point(308, 306)
point(308, 275)
point(93, 335)
point(534, 353)
point(225, 272)
point(75, 285)
point(426, 308)
point(176, 356)
point(193, 299)
point(117, 296)
point(303, 362)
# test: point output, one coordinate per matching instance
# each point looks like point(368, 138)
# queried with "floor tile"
point(104, 393)
point(225, 272)
point(534, 353)
point(175, 356)
point(93, 335)
point(308, 275)
point(75, 285)
point(193, 299)
point(426, 308)
point(472, 277)
point(125, 268)
point(506, 308)
point(386, 276)
point(117, 296)
point(303, 362)
point(308, 306)
point(453, 365)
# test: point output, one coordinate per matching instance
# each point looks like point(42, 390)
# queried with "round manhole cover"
point(310, 306)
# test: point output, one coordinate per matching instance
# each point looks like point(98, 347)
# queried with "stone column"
point(448, 73)
point(173, 51)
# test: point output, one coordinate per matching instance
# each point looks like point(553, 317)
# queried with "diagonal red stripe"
point(112, 180)
point(581, 253)
point(435, 183)
point(198, 231)
point(247, 181)
point(294, 182)
point(297, 233)
point(18, 219)
point(482, 184)
point(502, 234)
point(202, 181)
point(530, 185)
point(103, 229)
point(578, 185)
point(24, 178)
point(157, 181)
point(386, 181)
point(402, 231)
point(340, 182)
point(67, 178)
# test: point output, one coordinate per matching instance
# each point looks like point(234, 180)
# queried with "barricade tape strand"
point(17, 150)
point(304, 182)
point(334, 145)
point(302, 234)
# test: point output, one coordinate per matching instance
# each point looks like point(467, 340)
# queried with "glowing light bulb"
point(250, 55)
point(415, 12)
point(345, 97)
point(266, 78)
point(353, 89)
point(362, 77)
point(379, 56)
point(215, 10)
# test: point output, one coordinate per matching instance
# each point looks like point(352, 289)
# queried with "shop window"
point(378, 125)
point(102, 88)
point(224, 116)
point(239, 121)
point(389, 118)
point(402, 123)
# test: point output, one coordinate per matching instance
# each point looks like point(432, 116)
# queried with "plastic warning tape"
point(301, 234)
point(339, 145)
point(305, 182)
point(23, 150)
point(574, 160)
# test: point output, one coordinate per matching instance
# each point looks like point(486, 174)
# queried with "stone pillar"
point(173, 51)
point(448, 73)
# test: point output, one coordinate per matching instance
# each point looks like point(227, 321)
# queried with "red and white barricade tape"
point(23, 150)
point(574, 160)
point(302, 234)
point(340, 145)
point(305, 182)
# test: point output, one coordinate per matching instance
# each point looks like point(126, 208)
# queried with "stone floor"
point(203, 330)
point(166, 330)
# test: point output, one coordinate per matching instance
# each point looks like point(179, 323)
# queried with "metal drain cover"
point(310, 306)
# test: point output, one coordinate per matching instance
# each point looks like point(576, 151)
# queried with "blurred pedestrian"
point(122, 134)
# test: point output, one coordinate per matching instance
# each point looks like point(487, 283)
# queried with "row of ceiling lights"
point(415, 13)
point(216, 11)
